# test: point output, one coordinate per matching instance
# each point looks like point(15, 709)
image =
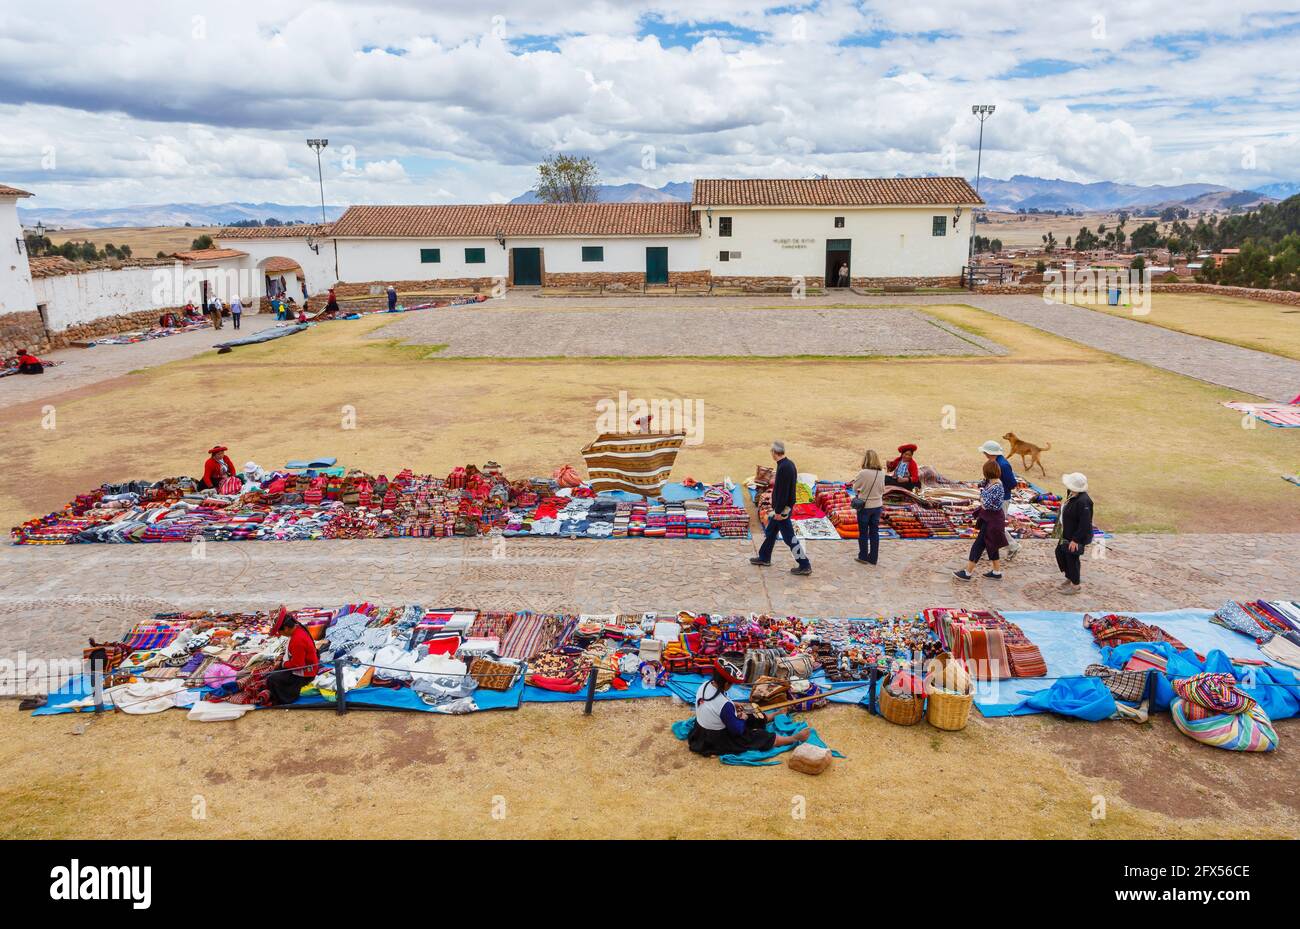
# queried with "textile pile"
point(991, 646)
point(148, 335)
point(1273, 624)
point(1113, 629)
point(286, 506)
point(1211, 709)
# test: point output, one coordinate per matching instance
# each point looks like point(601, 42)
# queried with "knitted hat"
point(908, 447)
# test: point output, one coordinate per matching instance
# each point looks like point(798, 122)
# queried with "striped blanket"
point(1282, 415)
point(635, 464)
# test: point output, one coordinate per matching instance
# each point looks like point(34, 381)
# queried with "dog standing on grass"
point(1027, 451)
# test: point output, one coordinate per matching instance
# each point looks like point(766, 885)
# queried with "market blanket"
point(782, 725)
point(266, 335)
point(1281, 415)
point(682, 686)
point(1068, 649)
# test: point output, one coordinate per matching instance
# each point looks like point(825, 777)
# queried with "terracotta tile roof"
point(209, 254)
point(57, 265)
point(50, 266)
point(856, 191)
point(280, 265)
point(273, 232)
point(518, 220)
point(7, 191)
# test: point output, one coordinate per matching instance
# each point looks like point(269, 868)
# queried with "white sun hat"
point(991, 448)
point(1075, 481)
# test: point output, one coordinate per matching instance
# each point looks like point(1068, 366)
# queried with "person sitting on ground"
point(302, 314)
point(167, 320)
point(28, 363)
point(217, 468)
point(719, 729)
point(992, 524)
point(902, 471)
point(301, 662)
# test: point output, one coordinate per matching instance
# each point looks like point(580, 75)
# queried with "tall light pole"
point(318, 144)
point(980, 111)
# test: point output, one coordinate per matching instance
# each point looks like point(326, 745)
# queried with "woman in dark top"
point(719, 730)
point(992, 523)
point(1073, 530)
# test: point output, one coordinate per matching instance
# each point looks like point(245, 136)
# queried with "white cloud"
point(148, 102)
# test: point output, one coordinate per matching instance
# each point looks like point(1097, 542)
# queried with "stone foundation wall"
point(109, 325)
point(880, 282)
point(23, 330)
point(362, 288)
point(757, 283)
point(621, 280)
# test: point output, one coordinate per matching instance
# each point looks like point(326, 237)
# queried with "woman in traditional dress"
point(301, 662)
point(719, 729)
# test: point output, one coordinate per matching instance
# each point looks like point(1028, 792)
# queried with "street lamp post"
point(980, 111)
point(318, 144)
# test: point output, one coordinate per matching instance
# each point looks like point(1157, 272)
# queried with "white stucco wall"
point(318, 268)
point(16, 294)
point(399, 259)
point(73, 299)
point(886, 242)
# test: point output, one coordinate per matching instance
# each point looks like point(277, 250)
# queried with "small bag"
point(764, 476)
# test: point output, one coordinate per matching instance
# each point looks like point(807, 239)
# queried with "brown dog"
point(1027, 451)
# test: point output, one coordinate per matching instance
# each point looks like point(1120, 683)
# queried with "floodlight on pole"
point(319, 144)
point(980, 111)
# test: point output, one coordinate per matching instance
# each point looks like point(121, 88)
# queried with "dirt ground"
point(1265, 327)
point(145, 241)
point(550, 772)
point(1148, 440)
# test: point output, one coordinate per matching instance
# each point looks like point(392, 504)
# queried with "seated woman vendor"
point(217, 468)
point(301, 662)
point(719, 729)
point(27, 363)
point(902, 471)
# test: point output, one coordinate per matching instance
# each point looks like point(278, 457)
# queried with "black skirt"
point(722, 742)
point(285, 685)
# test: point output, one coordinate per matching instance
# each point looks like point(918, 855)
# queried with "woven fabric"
point(1250, 731)
point(1215, 692)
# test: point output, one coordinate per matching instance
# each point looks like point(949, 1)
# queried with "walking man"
point(783, 482)
point(993, 452)
point(236, 310)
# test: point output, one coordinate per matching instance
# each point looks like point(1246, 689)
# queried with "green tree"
point(202, 242)
point(565, 179)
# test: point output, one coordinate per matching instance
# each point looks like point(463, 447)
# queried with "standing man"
point(783, 482)
point(993, 452)
point(392, 299)
point(215, 309)
point(236, 309)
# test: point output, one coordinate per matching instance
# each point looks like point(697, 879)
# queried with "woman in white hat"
point(1073, 530)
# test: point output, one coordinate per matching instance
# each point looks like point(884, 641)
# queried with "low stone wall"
point(1285, 297)
point(109, 325)
point(22, 330)
point(871, 282)
point(769, 284)
point(621, 280)
point(363, 288)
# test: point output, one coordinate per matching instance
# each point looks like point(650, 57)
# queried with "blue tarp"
point(1081, 697)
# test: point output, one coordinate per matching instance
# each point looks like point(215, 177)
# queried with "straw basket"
point(948, 710)
point(901, 709)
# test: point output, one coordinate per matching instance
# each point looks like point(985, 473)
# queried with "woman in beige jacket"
point(867, 489)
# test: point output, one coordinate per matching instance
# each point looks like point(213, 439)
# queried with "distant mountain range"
point(174, 214)
point(1018, 192)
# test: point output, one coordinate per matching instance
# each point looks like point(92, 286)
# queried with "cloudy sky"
point(111, 104)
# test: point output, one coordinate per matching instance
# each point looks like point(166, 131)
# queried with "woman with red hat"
point(719, 730)
point(217, 468)
point(902, 470)
point(301, 662)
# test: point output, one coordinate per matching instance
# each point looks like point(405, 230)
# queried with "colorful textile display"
point(1248, 731)
point(286, 505)
point(1112, 629)
point(992, 647)
point(148, 335)
point(1282, 415)
point(636, 464)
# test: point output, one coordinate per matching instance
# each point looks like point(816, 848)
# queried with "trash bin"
point(1113, 295)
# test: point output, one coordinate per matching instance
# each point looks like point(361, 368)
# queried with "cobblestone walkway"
point(53, 597)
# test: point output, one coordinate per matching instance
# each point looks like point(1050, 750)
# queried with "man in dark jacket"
point(1073, 530)
point(783, 481)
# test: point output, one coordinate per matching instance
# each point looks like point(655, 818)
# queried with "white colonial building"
point(738, 233)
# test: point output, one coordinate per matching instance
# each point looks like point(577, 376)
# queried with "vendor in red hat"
point(217, 468)
point(719, 729)
point(902, 471)
point(301, 662)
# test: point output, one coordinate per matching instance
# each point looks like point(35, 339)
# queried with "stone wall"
point(767, 284)
point(1286, 297)
point(882, 282)
point(23, 329)
point(363, 288)
point(108, 325)
point(621, 280)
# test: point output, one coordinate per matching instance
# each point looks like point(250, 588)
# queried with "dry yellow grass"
point(1146, 438)
point(1256, 324)
point(550, 772)
point(145, 241)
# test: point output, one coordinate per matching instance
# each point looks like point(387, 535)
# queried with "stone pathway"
point(1257, 373)
point(53, 597)
point(83, 367)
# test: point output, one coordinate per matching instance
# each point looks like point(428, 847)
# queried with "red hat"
point(216, 448)
point(278, 623)
point(729, 670)
point(909, 447)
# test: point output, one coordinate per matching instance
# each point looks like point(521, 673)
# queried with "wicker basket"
point(904, 710)
point(948, 710)
point(493, 675)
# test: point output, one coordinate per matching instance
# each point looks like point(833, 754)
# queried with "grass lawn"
point(1160, 451)
point(1265, 327)
point(550, 772)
